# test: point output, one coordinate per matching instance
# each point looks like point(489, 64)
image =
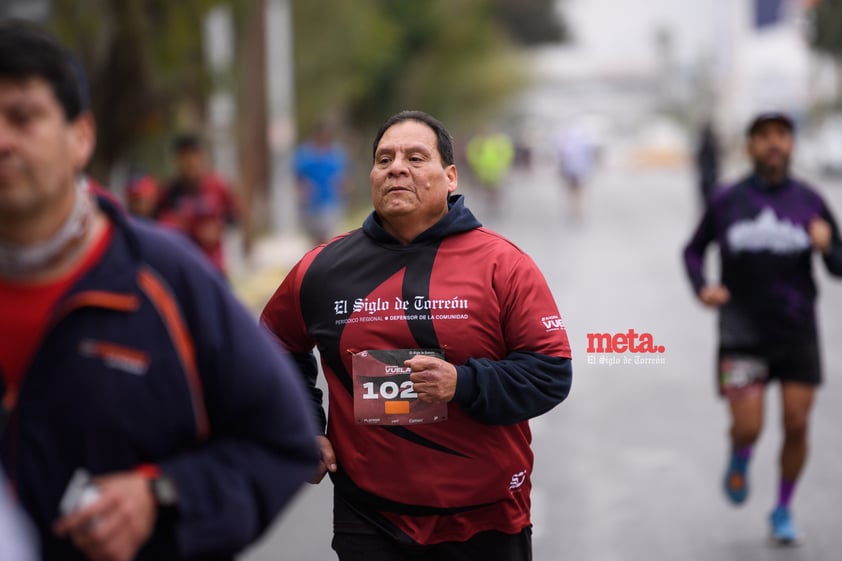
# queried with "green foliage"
point(827, 36)
point(355, 61)
point(338, 47)
point(366, 59)
point(531, 22)
point(145, 67)
point(827, 27)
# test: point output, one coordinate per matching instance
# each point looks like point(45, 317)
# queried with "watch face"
point(164, 490)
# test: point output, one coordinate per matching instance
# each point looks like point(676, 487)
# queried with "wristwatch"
point(161, 485)
point(164, 491)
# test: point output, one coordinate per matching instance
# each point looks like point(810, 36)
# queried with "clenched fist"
point(713, 296)
point(820, 234)
point(433, 379)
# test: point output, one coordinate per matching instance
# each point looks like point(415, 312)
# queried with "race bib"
point(740, 373)
point(383, 392)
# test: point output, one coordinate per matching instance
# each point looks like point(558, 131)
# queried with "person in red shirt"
point(198, 201)
point(142, 194)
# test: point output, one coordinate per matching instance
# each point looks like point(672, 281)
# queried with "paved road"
point(629, 467)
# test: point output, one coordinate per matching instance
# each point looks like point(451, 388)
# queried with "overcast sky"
point(625, 29)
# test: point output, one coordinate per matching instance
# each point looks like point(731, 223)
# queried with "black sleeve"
point(309, 368)
point(694, 252)
point(521, 386)
point(833, 258)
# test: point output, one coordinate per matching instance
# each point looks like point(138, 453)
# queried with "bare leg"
point(746, 419)
point(797, 404)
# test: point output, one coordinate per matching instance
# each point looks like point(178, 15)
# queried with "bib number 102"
point(389, 390)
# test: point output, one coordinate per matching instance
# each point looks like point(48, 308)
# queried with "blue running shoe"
point(736, 480)
point(783, 530)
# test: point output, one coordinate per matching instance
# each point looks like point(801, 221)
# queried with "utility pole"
point(281, 113)
point(218, 42)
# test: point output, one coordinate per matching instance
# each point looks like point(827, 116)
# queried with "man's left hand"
point(820, 234)
point(433, 379)
point(115, 526)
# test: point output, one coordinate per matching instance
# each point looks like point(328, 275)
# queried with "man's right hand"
point(115, 526)
point(328, 463)
point(713, 296)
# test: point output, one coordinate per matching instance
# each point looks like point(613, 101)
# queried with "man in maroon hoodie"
point(439, 340)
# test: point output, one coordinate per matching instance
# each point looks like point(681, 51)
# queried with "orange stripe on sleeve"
point(167, 307)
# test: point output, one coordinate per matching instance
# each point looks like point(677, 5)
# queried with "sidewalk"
point(254, 279)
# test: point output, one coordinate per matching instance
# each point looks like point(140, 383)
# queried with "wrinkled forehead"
point(408, 133)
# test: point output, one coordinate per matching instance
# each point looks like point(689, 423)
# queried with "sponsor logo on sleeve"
point(552, 323)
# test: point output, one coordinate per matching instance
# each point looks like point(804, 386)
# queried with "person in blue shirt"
point(321, 169)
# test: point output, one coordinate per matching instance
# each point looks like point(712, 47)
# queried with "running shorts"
point(747, 370)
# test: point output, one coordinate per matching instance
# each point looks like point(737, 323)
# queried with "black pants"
point(485, 546)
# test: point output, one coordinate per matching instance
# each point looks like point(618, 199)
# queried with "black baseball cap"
point(770, 117)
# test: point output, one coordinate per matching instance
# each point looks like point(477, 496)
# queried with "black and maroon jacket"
point(480, 298)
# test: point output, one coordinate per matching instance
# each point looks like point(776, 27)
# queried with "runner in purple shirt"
point(767, 227)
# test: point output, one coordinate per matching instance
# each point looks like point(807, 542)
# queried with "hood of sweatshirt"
point(457, 220)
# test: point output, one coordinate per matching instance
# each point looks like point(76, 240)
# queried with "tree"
point(531, 22)
point(366, 59)
point(827, 34)
point(355, 63)
point(145, 68)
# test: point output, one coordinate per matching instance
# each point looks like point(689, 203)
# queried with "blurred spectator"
point(142, 196)
point(707, 162)
point(321, 170)
point(198, 201)
point(575, 152)
point(490, 156)
point(523, 154)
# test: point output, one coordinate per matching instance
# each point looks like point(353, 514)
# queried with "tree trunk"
point(252, 134)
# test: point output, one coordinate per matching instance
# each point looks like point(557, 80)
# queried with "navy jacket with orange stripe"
point(150, 359)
